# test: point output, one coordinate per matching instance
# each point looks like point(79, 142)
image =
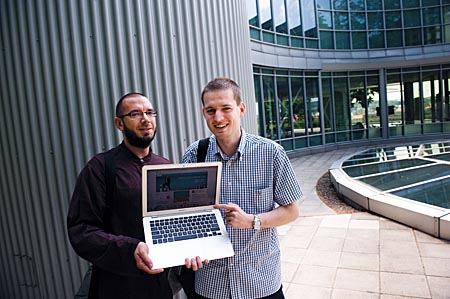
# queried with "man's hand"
point(195, 263)
point(143, 262)
point(235, 216)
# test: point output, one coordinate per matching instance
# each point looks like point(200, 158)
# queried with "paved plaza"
point(360, 255)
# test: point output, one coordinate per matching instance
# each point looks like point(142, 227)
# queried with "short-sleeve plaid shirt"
point(258, 177)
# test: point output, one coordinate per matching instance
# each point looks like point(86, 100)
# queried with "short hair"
point(223, 83)
point(119, 103)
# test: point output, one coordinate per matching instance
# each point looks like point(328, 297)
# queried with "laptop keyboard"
point(184, 228)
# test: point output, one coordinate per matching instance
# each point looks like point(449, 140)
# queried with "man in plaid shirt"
point(259, 191)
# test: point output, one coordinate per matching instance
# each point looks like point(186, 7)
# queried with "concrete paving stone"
point(422, 237)
point(399, 248)
point(331, 232)
point(390, 224)
point(360, 261)
point(401, 264)
point(336, 221)
point(364, 224)
point(361, 246)
point(308, 221)
point(292, 254)
point(357, 280)
point(349, 294)
point(436, 266)
point(326, 243)
point(364, 216)
point(321, 258)
point(315, 275)
point(297, 291)
point(440, 287)
point(363, 234)
point(397, 235)
point(400, 284)
point(288, 271)
point(385, 296)
point(434, 250)
point(296, 241)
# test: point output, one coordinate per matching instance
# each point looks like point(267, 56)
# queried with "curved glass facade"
point(367, 70)
point(352, 24)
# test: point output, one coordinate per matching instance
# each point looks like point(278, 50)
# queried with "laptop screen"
point(180, 186)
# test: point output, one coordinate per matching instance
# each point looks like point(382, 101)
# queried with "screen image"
point(180, 188)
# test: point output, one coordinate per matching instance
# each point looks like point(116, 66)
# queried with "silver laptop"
point(178, 215)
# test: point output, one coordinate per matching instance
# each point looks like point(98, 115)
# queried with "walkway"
point(359, 255)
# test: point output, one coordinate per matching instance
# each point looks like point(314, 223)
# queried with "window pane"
point(259, 101)
point(298, 106)
point(341, 20)
point(295, 27)
point(375, 20)
point(446, 13)
point(432, 98)
point(323, 4)
point(447, 34)
point(359, 40)
point(284, 107)
point(342, 40)
point(312, 104)
point(269, 107)
point(411, 98)
point(413, 37)
point(326, 40)
point(432, 35)
point(393, 19)
point(376, 39)
point(374, 5)
point(395, 106)
point(357, 5)
point(431, 16)
point(411, 18)
point(252, 13)
point(266, 15)
point(411, 3)
point(430, 2)
point(391, 4)
point(358, 105)
point(325, 20)
point(373, 100)
point(279, 16)
point(327, 104)
point(394, 38)
point(340, 4)
point(309, 18)
point(341, 104)
point(358, 21)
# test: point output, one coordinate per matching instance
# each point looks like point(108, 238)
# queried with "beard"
point(134, 140)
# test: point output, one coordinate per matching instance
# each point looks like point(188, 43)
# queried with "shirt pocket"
point(257, 201)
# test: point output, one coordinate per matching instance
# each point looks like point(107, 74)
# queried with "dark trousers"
point(277, 295)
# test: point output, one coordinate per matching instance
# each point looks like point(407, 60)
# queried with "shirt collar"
point(240, 150)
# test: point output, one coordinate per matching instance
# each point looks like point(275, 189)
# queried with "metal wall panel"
point(63, 66)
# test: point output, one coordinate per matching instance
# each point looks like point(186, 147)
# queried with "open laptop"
point(174, 197)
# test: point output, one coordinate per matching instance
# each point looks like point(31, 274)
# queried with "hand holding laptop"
point(144, 263)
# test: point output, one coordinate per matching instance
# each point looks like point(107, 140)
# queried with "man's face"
point(141, 131)
point(223, 114)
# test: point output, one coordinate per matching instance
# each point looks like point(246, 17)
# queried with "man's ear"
point(118, 122)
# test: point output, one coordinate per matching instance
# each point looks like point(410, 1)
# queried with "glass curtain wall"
point(418, 100)
point(352, 24)
point(296, 114)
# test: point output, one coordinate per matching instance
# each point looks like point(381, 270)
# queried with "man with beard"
point(108, 232)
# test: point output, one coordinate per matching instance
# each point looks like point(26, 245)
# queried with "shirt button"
point(229, 163)
point(231, 265)
point(229, 183)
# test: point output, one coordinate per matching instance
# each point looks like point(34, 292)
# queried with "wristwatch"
point(256, 222)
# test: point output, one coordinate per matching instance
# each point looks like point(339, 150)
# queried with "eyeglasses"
point(139, 114)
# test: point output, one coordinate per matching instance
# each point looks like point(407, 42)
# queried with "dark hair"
point(223, 83)
point(119, 103)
